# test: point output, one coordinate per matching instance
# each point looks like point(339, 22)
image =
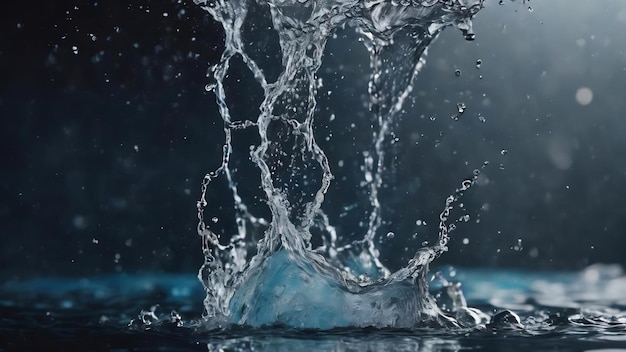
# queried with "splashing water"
point(269, 272)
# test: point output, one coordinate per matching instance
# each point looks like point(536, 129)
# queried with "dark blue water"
point(567, 311)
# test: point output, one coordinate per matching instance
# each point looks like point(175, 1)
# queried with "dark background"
point(106, 132)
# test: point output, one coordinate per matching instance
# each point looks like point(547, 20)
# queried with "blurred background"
point(106, 132)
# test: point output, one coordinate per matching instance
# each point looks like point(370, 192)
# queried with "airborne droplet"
point(460, 106)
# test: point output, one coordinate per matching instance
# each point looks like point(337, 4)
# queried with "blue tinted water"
point(565, 311)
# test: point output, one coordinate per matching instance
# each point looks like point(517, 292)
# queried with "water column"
point(286, 282)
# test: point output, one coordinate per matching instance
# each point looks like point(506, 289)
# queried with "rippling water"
point(566, 311)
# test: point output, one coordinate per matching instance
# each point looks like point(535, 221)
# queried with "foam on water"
point(269, 272)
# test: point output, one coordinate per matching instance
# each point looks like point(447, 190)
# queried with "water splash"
point(269, 273)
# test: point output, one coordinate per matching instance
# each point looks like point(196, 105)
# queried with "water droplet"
point(468, 35)
point(505, 320)
point(481, 118)
point(457, 73)
point(584, 96)
point(176, 319)
point(478, 63)
point(390, 234)
point(149, 317)
point(460, 106)
point(518, 246)
point(215, 219)
point(466, 240)
point(504, 151)
point(79, 222)
point(75, 49)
